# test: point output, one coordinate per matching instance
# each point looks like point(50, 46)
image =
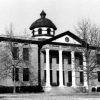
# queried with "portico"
point(61, 70)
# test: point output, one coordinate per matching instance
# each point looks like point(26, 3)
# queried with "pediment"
point(66, 39)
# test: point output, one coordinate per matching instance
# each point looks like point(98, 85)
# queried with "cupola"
point(43, 27)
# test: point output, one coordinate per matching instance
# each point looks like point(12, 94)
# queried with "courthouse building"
point(54, 60)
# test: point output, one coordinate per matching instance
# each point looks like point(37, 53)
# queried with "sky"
point(65, 14)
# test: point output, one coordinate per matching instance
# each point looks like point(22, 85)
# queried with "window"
point(55, 55)
point(44, 75)
point(67, 39)
point(79, 58)
point(25, 54)
point(33, 32)
point(51, 78)
point(81, 77)
point(57, 59)
point(15, 53)
point(25, 74)
point(70, 76)
point(15, 74)
point(57, 74)
point(98, 58)
point(44, 57)
point(63, 77)
point(67, 55)
point(39, 31)
point(98, 76)
point(48, 31)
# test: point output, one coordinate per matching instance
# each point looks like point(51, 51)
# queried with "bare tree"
point(10, 59)
point(90, 33)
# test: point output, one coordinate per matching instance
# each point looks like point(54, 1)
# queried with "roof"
point(42, 22)
point(50, 41)
point(18, 40)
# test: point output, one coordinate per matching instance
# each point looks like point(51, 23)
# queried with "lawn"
point(46, 96)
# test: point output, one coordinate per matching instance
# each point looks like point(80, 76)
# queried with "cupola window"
point(48, 31)
point(40, 31)
point(33, 32)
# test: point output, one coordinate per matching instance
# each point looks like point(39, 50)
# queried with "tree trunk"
point(14, 88)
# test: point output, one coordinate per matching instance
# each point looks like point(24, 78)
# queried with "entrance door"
point(57, 74)
point(51, 77)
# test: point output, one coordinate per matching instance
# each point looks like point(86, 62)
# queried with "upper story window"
point(67, 56)
point(98, 58)
point(25, 54)
point(15, 53)
point(33, 32)
point(48, 31)
point(39, 31)
point(54, 55)
point(78, 58)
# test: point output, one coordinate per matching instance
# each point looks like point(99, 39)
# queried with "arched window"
point(39, 31)
point(48, 31)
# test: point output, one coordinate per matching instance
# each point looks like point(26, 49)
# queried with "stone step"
point(64, 90)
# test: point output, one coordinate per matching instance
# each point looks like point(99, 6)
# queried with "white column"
point(84, 70)
point(60, 69)
point(73, 68)
point(47, 68)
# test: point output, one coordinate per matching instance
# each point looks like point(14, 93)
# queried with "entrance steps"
point(64, 90)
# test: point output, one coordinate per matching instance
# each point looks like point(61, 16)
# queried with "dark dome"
point(42, 22)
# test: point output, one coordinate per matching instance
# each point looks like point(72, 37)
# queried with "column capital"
point(47, 49)
point(60, 51)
